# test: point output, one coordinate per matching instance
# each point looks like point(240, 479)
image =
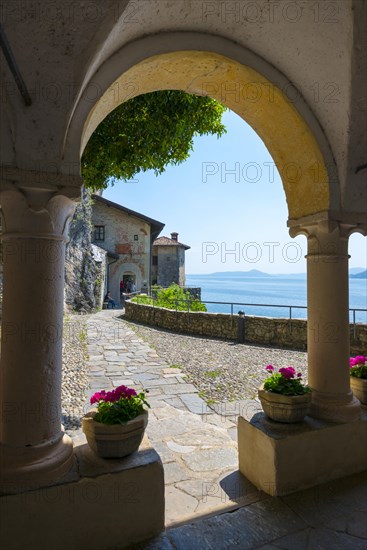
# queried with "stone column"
point(328, 320)
point(34, 451)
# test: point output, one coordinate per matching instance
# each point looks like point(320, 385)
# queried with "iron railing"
point(290, 308)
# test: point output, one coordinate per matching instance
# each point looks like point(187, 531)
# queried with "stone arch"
point(117, 274)
point(244, 82)
point(131, 268)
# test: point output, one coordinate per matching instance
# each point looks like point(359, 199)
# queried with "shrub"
point(173, 297)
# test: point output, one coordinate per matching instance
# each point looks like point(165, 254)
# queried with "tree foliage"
point(148, 132)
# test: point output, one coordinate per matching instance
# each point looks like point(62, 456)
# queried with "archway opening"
point(264, 105)
point(275, 118)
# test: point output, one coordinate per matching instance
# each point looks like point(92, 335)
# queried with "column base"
point(102, 504)
point(334, 409)
point(26, 468)
point(281, 458)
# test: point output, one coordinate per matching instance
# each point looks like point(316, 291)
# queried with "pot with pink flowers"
point(115, 428)
point(284, 397)
point(358, 377)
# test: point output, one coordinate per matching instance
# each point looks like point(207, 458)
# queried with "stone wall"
point(168, 266)
point(84, 270)
point(257, 330)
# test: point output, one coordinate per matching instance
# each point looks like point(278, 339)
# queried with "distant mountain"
point(360, 275)
point(355, 270)
point(251, 273)
point(354, 273)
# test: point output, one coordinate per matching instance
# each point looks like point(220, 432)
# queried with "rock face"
point(85, 264)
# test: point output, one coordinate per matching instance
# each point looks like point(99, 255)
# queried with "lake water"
point(273, 291)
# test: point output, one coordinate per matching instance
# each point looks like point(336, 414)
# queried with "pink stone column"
point(34, 450)
point(328, 321)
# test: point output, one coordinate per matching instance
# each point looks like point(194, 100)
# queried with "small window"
point(136, 237)
point(99, 232)
point(155, 260)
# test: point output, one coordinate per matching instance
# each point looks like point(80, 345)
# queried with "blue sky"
point(226, 202)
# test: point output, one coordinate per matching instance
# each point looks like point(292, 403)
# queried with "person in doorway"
point(133, 287)
point(109, 300)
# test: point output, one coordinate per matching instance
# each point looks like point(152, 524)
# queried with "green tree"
point(148, 132)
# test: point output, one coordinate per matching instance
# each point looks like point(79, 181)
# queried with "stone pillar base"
point(332, 410)
point(283, 458)
point(101, 504)
point(27, 468)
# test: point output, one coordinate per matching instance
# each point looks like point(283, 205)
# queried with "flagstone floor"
point(209, 504)
point(196, 444)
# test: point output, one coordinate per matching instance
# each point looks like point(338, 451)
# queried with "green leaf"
point(148, 132)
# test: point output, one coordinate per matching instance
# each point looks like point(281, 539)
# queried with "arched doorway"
point(131, 276)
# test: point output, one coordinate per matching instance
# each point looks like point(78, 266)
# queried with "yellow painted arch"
point(258, 101)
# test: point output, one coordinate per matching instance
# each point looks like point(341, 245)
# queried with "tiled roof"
point(165, 241)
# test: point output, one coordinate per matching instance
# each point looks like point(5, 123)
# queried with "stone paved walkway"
point(196, 444)
point(198, 449)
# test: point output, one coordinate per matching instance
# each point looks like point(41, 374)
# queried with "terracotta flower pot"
point(359, 388)
point(285, 408)
point(116, 440)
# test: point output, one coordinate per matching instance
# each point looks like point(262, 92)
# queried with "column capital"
point(342, 224)
point(326, 237)
point(38, 209)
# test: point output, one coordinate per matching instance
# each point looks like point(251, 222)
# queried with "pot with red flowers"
point(115, 428)
point(358, 377)
point(283, 396)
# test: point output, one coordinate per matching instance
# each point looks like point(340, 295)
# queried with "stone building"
point(294, 71)
point(128, 237)
point(168, 261)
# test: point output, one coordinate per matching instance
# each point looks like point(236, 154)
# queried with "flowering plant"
point(118, 406)
point(358, 366)
point(285, 381)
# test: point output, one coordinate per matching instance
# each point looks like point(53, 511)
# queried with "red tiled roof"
point(165, 241)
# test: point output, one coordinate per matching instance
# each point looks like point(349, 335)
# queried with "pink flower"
point(269, 368)
point(110, 396)
point(287, 372)
point(98, 396)
point(121, 392)
point(125, 392)
point(130, 392)
point(358, 360)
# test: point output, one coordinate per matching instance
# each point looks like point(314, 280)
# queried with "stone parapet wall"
point(258, 330)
